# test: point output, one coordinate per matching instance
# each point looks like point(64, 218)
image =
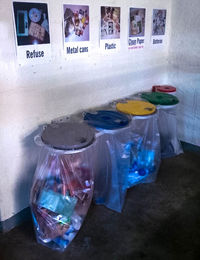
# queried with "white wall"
point(33, 95)
point(184, 66)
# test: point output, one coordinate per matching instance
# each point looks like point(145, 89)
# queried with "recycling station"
point(99, 155)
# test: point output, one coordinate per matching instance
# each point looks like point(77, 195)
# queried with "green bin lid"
point(158, 98)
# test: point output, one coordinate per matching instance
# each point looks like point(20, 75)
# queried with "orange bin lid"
point(163, 88)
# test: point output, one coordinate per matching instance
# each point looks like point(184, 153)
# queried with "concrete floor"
point(159, 221)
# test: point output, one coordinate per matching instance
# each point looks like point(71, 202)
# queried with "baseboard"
point(15, 220)
point(190, 147)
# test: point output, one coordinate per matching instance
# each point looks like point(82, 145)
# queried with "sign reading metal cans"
point(76, 30)
point(158, 38)
point(110, 29)
point(136, 28)
point(32, 32)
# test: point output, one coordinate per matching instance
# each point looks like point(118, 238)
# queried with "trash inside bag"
point(61, 194)
point(144, 150)
point(170, 145)
point(166, 106)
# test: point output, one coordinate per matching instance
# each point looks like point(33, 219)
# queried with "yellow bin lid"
point(136, 107)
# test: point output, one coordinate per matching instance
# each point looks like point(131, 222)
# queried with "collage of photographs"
point(137, 22)
point(110, 22)
point(32, 23)
point(76, 23)
point(159, 22)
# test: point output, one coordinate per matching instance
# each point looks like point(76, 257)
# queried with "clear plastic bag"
point(112, 168)
point(170, 145)
point(145, 150)
point(61, 194)
point(127, 157)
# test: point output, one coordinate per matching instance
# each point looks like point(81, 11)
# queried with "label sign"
point(110, 29)
point(76, 30)
point(32, 32)
point(158, 38)
point(136, 28)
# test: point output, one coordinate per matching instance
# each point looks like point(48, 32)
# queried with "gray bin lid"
point(68, 135)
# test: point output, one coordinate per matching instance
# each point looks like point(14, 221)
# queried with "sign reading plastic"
point(32, 32)
point(110, 29)
point(136, 28)
point(76, 30)
point(158, 38)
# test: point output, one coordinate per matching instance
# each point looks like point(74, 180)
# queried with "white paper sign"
point(76, 30)
point(110, 45)
point(110, 29)
point(33, 54)
point(136, 39)
point(32, 32)
point(158, 38)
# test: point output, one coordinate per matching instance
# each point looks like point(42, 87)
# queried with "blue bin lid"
point(105, 119)
point(68, 135)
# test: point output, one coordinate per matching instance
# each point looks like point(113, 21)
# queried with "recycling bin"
point(145, 149)
point(63, 183)
point(164, 89)
point(166, 106)
point(113, 139)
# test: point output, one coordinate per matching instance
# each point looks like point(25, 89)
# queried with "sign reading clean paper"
point(158, 38)
point(32, 32)
point(136, 28)
point(110, 29)
point(76, 30)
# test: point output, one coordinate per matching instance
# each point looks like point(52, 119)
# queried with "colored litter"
point(63, 183)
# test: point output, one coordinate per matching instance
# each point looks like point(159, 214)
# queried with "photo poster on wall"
point(110, 29)
point(31, 22)
point(76, 30)
point(158, 38)
point(136, 40)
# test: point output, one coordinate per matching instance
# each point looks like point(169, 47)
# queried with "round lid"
point(68, 135)
point(106, 119)
point(136, 107)
point(158, 98)
point(163, 88)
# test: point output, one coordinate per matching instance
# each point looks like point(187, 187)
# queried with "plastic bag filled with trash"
point(61, 194)
point(145, 150)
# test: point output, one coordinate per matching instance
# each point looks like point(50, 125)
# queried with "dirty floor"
point(159, 221)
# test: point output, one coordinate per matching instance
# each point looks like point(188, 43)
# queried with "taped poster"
point(31, 22)
point(110, 29)
point(76, 30)
point(158, 38)
point(136, 39)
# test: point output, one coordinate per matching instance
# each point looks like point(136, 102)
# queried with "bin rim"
point(145, 116)
point(38, 141)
